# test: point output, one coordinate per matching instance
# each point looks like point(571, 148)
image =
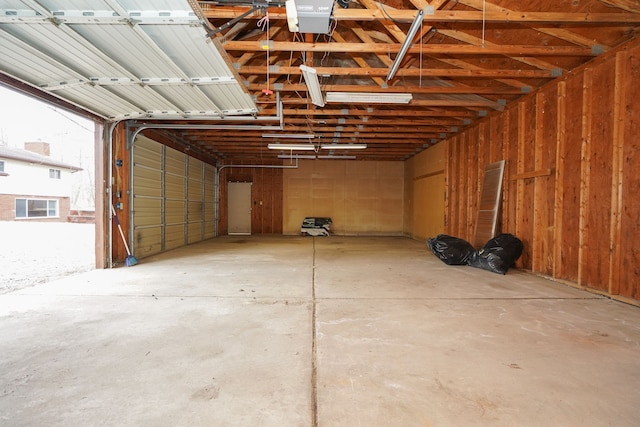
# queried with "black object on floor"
point(451, 250)
point(498, 254)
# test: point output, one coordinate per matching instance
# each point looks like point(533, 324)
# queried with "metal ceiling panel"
point(120, 58)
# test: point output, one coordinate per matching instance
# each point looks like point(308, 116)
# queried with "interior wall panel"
point(362, 198)
point(571, 181)
point(425, 202)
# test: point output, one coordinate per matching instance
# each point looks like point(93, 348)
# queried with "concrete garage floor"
point(327, 331)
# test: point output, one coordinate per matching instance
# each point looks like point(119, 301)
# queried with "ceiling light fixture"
point(296, 156)
point(289, 135)
point(337, 157)
point(305, 147)
point(406, 44)
point(343, 146)
point(313, 85)
point(369, 97)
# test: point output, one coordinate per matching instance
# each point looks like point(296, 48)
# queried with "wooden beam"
point(560, 33)
point(451, 90)
point(429, 49)
point(407, 72)
point(439, 16)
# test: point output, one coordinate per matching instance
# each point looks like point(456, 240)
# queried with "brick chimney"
point(38, 148)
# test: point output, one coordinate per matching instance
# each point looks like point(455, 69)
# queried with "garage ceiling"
point(230, 70)
point(120, 58)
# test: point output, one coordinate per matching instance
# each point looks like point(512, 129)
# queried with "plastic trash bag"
point(498, 254)
point(451, 250)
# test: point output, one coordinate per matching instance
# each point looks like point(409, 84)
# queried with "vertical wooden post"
point(585, 175)
point(506, 200)
point(619, 119)
point(539, 195)
point(101, 198)
point(558, 204)
point(522, 112)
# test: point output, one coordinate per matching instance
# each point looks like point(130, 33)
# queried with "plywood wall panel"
point(629, 206)
point(569, 193)
point(472, 186)
point(598, 216)
point(544, 182)
point(360, 197)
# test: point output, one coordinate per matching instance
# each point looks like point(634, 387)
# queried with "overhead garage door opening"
point(47, 191)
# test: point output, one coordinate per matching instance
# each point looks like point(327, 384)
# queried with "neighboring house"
point(33, 186)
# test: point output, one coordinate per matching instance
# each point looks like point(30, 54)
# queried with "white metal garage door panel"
point(209, 206)
point(173, 198)
point(195, 200)
point(147, 197)
point(175, 162)
point(174, 236)
point(174, 187)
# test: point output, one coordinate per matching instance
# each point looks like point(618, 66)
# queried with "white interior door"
point(239, 207)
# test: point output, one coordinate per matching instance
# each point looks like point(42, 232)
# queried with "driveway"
point(37, 252)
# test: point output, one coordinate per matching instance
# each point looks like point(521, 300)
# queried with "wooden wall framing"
point(572, 175)
point(266, 197)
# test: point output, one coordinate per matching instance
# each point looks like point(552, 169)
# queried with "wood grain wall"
point(424, 180)
point(361, 197)
point(572, 179)
point(266, 198)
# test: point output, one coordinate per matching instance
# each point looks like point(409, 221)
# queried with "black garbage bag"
point(498, 254)
point(451, 250)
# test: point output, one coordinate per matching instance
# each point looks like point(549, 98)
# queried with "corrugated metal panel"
point(209, 209)
point(194, 232)
point(148, 241)
point(170, 209)
point(174, 187)
point(163, 66)
point(174, 236)
point(147, 197)
point(175, 162)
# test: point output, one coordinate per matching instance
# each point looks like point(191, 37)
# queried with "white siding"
point(30, 179)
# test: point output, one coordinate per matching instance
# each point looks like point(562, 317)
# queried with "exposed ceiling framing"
point(468, 59)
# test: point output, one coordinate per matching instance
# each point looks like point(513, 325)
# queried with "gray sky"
point(71, 137)
point(25, 119)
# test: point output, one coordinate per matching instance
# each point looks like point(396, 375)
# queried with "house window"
point(1, 165)
point(54, 173)
point(36, 208)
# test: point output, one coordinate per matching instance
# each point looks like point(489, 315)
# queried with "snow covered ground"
point(36, 252)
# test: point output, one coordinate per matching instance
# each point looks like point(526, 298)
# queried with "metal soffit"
point(121, 59)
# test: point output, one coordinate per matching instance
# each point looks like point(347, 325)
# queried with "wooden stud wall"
point(571, 187)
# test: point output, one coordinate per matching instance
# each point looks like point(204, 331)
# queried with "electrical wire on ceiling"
point(263, 24)
point(484, 18)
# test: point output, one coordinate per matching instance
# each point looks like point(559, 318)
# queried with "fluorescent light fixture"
point(289, 135)
point(313, 85)
point(313, 157)
point(406, 44)
point(306, 147)
point(343, 146)
point(337, 157)
point(296, 156)
point(292, 16)
point(369, 97)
